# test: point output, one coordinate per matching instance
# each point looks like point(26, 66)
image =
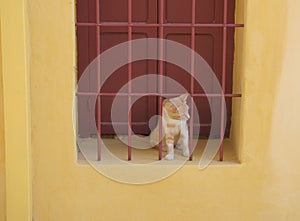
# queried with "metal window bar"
point(192, 79)
point(166, 25)
point(156, 94)
point(160, 72)
point(98, 82)
point(129, 79)
point(223, 84)
point(160, 25)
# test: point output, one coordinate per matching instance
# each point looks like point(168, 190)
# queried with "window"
point(207, 27)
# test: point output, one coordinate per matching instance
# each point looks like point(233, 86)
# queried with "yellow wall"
point(263, 187)
point(2, 151)
point(16, 109)
point(235, 134)
point(285, 130)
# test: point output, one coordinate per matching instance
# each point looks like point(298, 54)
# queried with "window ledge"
point(119, 150)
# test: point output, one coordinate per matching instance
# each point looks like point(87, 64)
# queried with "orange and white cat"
point(174, 129)
point(174, 126)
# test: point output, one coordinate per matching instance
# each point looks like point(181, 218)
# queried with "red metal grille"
point(161, 25)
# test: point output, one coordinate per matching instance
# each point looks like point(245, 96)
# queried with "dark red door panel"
point(177, 18)
point(145, 107)
point(115, 12)
point(207, 11)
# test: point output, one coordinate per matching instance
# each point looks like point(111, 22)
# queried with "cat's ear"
point(184, 97)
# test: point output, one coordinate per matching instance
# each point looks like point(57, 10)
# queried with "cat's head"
point(177, 107)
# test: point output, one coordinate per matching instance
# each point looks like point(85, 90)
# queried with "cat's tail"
point(137, 142)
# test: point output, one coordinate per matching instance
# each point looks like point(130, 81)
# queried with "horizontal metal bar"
point(124, 123)
point(155, 94)
point(146, 123)
point(145, 25)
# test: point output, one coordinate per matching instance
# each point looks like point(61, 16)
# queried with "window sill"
point(119, 150)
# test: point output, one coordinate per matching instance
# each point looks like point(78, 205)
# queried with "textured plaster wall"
point(2, 151)
point(263, 187)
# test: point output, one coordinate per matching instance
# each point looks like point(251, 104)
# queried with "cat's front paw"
point(169, 156)
point(186, 152)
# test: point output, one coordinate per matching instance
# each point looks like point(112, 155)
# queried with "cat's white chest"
point(172, 126)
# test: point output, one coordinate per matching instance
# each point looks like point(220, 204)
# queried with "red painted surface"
point(205, 26)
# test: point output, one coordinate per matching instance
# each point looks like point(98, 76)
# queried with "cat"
point(174, 129)
point(174, 126)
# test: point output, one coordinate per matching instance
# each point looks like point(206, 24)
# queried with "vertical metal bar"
point(224, 52)
point(192, 78)
point(98, 81)
point(160, 71)
point(129, 78)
